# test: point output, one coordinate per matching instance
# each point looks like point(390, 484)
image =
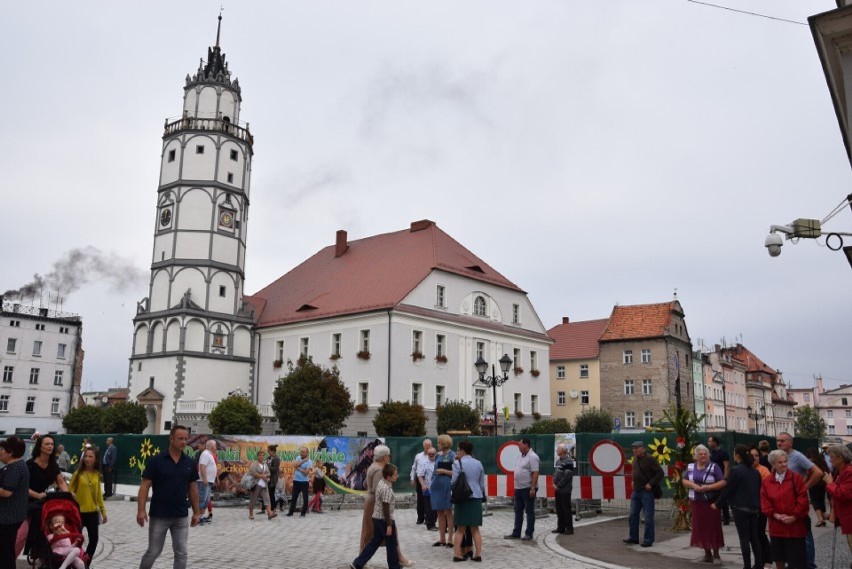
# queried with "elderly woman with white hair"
point(784, 502)
point(704, 480)
point(563, 476)
point(840, 489)
point(381, 457)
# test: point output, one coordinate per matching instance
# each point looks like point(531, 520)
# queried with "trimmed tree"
point(548, 427)
point(85, 420)
point(457, 416)
point(400, 419)
point(311, 400)
point(809, 424)
point(593, 420)
point(235, 415)
point(124, 417)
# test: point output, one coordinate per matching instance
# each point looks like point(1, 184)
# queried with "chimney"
point(565, 320)
point(340, 245)
point(718, 348)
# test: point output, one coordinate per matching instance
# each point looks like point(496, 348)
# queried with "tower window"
point(234, 155)
point(172, 154)
point(199, 149)
point(222, 290)
point(230, 177)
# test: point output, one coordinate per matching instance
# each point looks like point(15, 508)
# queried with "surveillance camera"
point(773, 243)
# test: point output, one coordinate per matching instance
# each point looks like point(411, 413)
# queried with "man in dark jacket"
point(743, 494)
point(563, 475)
point(108, 463)
point(646, 474)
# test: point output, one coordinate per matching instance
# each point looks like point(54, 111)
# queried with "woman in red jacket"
point(784, 502)
point(840, 489)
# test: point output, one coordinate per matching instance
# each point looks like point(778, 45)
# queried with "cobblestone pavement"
point(330, 541)
point(317, 541)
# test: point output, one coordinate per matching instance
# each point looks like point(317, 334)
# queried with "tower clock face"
point(226, 218)
point(165, 218)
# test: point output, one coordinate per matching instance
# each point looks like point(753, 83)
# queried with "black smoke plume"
point(78, 267)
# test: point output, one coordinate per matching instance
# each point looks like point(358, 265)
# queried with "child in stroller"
point(63, 530)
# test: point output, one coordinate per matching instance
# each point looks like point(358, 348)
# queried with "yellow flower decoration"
point(661, 451)
point(145, 449)
point(132, 461)
point(157, 450)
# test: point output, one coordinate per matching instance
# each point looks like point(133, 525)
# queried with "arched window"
point(479, 306)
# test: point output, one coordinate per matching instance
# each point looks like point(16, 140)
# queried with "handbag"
point(460, 489)
point(248, 482)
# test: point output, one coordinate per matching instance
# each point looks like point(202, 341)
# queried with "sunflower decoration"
point(156, 450)
point(146, 449)
point(661, 451)
point(132, 462)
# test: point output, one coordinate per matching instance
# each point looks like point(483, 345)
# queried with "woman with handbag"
point(704, 480)
point(260, 472)
point(468, 513)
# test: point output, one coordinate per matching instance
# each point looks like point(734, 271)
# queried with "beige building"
point(645, 363)
point(574, 367)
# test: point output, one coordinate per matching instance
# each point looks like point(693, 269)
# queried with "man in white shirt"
point(425, 471)
point(206, 477)
point(526, 487)
point(418, 460)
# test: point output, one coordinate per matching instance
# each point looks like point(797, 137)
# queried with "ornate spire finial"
point(219, 26)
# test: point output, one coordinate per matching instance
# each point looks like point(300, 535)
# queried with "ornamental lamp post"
point(756, 416)
point(494, 381)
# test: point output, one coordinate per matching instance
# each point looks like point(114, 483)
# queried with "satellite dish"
point(574, 394)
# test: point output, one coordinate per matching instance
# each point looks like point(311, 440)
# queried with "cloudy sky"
point(596, 153)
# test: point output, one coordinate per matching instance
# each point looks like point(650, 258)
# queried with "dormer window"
point(479, 306)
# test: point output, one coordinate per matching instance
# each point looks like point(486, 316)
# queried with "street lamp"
point(494, 380)
point(809, 229)
point(756, 416)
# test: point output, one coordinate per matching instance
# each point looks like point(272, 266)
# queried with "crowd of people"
point(770, 494)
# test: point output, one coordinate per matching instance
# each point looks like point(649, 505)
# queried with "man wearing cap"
point(646, 474)
point(526, 487)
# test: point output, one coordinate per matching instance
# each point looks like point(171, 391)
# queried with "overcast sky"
point(595, 153)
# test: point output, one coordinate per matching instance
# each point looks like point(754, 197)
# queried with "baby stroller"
point(57, 503)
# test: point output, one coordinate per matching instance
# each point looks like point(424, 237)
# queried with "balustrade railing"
point(218, 125)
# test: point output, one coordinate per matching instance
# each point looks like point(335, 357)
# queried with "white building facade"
point(41, 362)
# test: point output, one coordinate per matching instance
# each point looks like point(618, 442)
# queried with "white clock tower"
point(193, 334)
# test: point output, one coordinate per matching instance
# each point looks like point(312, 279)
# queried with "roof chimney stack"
point(340, 245)
point(565, 320)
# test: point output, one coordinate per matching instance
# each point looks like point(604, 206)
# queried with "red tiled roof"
point(640, 321)
point(576, 340)
point(751, 362)
point(373, 273)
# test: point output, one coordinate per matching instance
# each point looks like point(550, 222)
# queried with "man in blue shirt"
point(301, 469)
point(172, 475)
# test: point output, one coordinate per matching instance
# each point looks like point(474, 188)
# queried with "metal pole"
point(494, 396)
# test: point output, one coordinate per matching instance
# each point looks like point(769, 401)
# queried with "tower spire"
point(219, 26)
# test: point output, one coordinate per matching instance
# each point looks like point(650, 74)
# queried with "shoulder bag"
point(460, 489)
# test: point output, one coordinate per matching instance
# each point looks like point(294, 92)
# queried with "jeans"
point(391, 545)
point(299, 488)
point(524, 503)
point(639, 500)
point(810, 550)
point(157, 528)
point(749, 535)
point(204, 492)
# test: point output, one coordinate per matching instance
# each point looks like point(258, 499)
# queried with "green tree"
point(809, 424)
point(593, 420)
point(548, 427)
point(311, 400)
point(124, 417)
point(85, 420)
point(400, 419)
point(457, 416)
point(235, 415)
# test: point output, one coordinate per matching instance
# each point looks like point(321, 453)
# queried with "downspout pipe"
point(389, 355)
